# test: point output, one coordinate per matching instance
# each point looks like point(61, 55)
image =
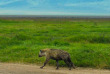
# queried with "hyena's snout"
point(39, 55)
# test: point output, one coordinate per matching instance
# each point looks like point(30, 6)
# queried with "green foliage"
point(88, 42)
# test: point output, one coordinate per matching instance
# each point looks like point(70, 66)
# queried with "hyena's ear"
point(41, 51)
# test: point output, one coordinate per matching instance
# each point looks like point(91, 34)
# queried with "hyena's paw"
point(74, 67)
point(70, 69)
point(57, 68)
point(41, 67)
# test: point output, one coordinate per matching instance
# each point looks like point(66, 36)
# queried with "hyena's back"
point(58, 54)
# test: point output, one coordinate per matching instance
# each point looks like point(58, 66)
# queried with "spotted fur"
point(57, 55)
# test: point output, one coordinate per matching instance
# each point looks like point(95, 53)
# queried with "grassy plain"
point(87, 40)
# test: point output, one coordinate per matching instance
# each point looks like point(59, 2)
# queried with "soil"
point(10, 68)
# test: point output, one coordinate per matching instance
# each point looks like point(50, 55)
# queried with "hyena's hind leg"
point(57, 64)
point(72, 64)
point(69, 65)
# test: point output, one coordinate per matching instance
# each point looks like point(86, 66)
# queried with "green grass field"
point(87, 41)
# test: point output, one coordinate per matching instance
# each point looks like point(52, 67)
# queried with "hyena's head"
point(43, 52)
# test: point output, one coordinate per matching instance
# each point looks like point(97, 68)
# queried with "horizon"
point(55, 7)
point(55, 15)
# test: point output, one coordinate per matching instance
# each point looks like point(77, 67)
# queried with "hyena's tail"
point(72, 64)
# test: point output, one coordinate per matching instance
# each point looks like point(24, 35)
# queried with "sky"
point(55, 7)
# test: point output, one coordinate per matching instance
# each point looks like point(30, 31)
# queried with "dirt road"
point(7, 68)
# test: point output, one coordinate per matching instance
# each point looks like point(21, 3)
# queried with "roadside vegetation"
point(87, 41)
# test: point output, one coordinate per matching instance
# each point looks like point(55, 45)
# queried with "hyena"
point(57, 55)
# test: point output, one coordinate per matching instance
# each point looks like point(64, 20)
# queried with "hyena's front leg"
point(47, 59)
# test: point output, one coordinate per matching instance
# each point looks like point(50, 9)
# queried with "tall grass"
point(88, 42)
